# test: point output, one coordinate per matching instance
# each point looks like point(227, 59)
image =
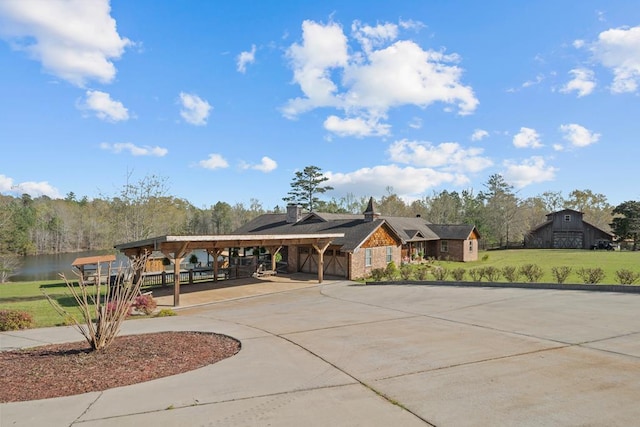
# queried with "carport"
point(177, 247)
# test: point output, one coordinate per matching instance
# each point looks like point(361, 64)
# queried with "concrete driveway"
point(341, 354)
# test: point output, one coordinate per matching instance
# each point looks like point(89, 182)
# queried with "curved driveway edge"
point(347, 354)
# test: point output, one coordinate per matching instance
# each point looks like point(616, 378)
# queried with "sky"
point(226, 100)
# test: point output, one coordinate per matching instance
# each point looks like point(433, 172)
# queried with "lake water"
point(48, 267)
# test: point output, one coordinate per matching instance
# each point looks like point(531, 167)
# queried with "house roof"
point(453, 231)
point(354, 227)
point(98, 259)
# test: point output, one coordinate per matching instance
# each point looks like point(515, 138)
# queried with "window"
point(444, 246)
point(367, 257)
point(389, 254)
point(470, 245)
point(567, 218)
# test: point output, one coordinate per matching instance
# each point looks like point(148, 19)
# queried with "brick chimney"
point(294, 213)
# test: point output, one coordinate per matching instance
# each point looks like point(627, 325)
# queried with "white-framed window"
point(389, 254)
point(368, 257)
point(444, 246)
point(470, 245)
point(567, 218)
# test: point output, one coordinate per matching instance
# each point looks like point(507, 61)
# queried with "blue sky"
point(227, 100)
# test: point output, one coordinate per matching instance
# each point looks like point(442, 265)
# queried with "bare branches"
point(104, 301)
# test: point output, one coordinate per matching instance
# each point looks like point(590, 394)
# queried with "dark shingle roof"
point(452, 231)
point(356, 228)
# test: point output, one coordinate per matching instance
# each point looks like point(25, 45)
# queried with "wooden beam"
point(320, 248)
point(273, 250)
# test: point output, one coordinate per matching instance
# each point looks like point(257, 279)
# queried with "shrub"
point(377, 274)
point(406, 271)
point(145, 304)
point(476, 274)
point(440, 273)
point(422, 272)
point(485, 257)
point(103, 310)
point(166, 312)
point(561, 273)
point(510, 273)
point(532, 272)
point(111, 307)
point(491, 273)
point(458, 274)
point(591, 275)
point(627, 277)
point(391, 272)
point(12, 320)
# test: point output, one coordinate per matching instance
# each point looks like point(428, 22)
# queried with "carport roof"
point(221, 241)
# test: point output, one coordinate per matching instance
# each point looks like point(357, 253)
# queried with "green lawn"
point(610, 262)
point(29, 297)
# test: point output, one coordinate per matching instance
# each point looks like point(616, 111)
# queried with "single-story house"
point(370, 240)
point(566, 229)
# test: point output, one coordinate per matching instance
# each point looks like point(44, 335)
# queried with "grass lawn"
point(28, 296)
point(609, 261)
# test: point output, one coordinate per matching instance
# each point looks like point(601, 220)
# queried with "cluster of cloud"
point(244, 58)
point(195, 110)
point(134, 150)
point(266, 165)
point(217, 161)
point(365, 84)
point(75, 40)
point(415, 167)
point(617, 49)
point(527, 137)
point(104, 107)
point(34, 189)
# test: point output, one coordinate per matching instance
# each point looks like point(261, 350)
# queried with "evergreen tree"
point(306, 186)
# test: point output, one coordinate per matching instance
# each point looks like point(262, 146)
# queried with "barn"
point(566, 229)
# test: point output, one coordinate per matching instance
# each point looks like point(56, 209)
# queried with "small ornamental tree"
point(104, 306)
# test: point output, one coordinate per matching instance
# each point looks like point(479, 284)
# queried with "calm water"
point(47, 267)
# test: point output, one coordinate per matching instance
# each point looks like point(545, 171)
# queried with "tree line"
point(143, 209)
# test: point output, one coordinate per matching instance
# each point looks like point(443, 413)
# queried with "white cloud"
point(366, 84)
point(527, 137)
point(134, 150)
point(266, 165)
point(215, 161)
point(405, 181)
point(76, 40)
point(246, 58)
point(415, 123)
point(579, 136)
point(530, 171)
point(358, 127)
point(583, 82)
point(104, 107)
point(195, 110)
point(34, 189)
point(479, 134)
point(539, 79)
point(449, 156)
point(370, 37)
point(619, 50)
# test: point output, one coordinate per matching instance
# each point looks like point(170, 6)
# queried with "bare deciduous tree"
point(103, 306)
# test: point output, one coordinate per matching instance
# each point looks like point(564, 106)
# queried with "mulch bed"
point(72, 368)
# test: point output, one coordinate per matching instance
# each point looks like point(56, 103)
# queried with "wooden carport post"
point(177, 258)
point(273, 250)
point(321, 259)
point(215, 253)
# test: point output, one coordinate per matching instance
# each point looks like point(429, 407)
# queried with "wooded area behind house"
point(140, 210)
